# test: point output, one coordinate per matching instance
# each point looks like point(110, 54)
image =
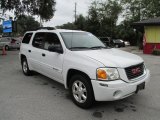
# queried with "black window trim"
point(30, 38)
point(44, 40)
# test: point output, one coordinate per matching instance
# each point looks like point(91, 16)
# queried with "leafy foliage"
point(101, 19)
point(43, 8)
point(26, 23)
point(103, 16)
point(141, 9)
point(156, 52)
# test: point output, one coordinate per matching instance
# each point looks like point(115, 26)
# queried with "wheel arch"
point(22, 56)
point(72, 72)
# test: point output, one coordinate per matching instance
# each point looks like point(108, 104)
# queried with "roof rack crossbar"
point(46, 28)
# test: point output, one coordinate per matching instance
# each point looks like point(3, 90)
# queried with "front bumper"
point(118, 89)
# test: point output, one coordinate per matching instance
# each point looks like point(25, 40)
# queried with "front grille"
point(134, 71)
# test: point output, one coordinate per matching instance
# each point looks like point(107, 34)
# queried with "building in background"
point(151, 34)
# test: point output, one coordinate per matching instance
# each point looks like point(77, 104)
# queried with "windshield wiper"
point(98, 47)
point(79, 48)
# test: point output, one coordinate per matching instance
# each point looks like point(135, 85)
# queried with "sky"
point(65, 11)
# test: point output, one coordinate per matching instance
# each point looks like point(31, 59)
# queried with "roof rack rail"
point(46, 28)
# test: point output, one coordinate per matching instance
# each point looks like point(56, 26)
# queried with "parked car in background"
point(118, 43)
point(10, 43)
point(105, 40)
point(127, 43)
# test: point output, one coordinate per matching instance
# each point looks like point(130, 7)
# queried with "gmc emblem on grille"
point(136, 70)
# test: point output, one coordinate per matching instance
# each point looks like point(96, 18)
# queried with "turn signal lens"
point(101, 74)
point(107, 74)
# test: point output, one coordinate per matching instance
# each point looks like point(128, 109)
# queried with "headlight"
point(107, 74)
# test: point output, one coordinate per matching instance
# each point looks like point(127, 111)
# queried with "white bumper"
point(115, 90)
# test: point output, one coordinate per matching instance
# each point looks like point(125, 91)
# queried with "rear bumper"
point(115, 90)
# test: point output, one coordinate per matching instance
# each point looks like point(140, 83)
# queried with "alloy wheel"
point(79, 91)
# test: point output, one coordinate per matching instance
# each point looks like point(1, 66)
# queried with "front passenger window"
point(51, 39)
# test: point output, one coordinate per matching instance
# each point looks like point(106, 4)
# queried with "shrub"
point(156, 52)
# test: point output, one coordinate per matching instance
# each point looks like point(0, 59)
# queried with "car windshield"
point(81, 40)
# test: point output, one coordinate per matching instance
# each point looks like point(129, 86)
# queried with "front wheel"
point(81, 91)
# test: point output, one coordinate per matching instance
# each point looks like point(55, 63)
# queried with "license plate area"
point(140, 87)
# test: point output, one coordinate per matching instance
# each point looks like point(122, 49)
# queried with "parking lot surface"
point(40, 98)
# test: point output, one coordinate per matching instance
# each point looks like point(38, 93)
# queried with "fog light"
point(117, 94)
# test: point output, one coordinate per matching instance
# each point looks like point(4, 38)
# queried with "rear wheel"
point(25, 67)
point(81, 91)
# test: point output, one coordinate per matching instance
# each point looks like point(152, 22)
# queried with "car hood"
point(112, 57)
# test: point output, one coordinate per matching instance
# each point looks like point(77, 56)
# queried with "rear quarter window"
point(27, 38)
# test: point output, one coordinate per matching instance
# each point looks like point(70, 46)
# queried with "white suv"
point(79, 60)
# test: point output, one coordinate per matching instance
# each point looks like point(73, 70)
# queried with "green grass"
point(156, 52)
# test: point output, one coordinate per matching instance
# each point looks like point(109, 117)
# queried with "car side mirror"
point(55, 48)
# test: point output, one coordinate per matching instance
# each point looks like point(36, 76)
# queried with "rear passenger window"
point(38, 40)
point(27, 38)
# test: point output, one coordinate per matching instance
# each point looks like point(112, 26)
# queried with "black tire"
point(6, 47)
point(116, 46)
point(25, 67)
point(89, 91)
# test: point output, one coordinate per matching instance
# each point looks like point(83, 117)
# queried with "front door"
point(52, 61)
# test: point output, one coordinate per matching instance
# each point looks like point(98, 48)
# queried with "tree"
point(26, 23)
point(126, 32)
point(93, 21)
point(70, 26)
point(141, 9)
point(102, 17)
point(109, 13)
point(43, 8)
point(81, 22)
point(137, 10)
point(79, 25)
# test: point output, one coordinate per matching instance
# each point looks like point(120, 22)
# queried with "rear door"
point(36, 51)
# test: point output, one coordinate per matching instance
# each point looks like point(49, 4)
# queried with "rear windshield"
point(27, 38)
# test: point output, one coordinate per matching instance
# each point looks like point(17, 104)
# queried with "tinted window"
point(38, 40)
point(27, 38)
point(51, 39)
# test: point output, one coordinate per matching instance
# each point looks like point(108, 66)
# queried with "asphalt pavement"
point(40, 98)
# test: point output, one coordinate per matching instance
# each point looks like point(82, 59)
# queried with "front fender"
point(81, 63)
